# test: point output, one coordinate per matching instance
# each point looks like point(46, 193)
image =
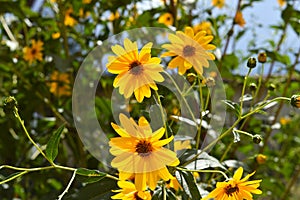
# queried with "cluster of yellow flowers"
point(140, 155)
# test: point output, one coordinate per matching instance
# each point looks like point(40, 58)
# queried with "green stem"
point(16, 113)
point(13, 177)
point(243, 90)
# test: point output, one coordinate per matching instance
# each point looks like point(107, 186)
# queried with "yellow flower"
point(284, 120)
point(137, 72)
point(281, 2)
point(236, 188)
point(69, 20)
point(218, 3)
point(86, 1)
point(60, 84)
point(166, 19)
point(34, 52)
point(55, 35)
point(239, 19)
point(181, 145)
point(140, 153)
point(190, 50)
point(114, 16)
point(203, 26)
point(261, 158)
point(129, 192)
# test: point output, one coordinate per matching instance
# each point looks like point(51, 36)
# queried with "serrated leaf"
point(234, 106)
point(189, 179)
point(52, 145)
point(90, 176)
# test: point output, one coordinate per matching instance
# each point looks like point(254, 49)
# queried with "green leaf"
point(91, 176)
point(52, 145)
point(234, 106)
point(12, 7)
point(100, 190)
point(189, 178)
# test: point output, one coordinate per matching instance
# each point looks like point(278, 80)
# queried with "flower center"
point(33, 51)
point(135, 68)
point(143, 148)
point(229, 190)
point(188, 51)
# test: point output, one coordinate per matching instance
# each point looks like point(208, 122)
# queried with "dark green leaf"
point(90, 176)
point(189, 178)
point(52, 145)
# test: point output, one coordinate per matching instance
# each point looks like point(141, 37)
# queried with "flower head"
point(236, 188)
point(218, 3)
point(34, 52)
point(129, 192)
point(140, 153)
point(203, 26)
point(239, 19)
point(60, 84)
point(281, 2)
point(190, 50)
point(137, 72)
point(69, 20)
point(166, 18)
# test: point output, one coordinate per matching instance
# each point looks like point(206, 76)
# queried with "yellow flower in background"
point(69, 20)
point(239, 19)
point(284, 120)
point(261, 158)
point(129, 192)
point(181, 145)
point(55, 35)
point(34, 52)
point(86, 1)
point(60, 84)
point(281, 2)
point(137, 72)
point(114, 16)
point(190, 50)
point(140, 153)
point(203, 26)
point(236, 188)
point(167, 19)
point(218, 3)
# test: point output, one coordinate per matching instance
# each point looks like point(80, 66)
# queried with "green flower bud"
point(251, 62)
point(9, 104)
point(253, 87)
point(257, 139)
point(271, 87)
point(191, 77)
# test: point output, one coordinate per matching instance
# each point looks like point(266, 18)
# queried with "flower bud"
point(253, 87)
point(257, 139)
point(261, 159)
point(9, 104)
point(295, 101)
point(251, 62)
point(262, 57)
point(191, 77)
point(210, 82)
point(271, 87)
